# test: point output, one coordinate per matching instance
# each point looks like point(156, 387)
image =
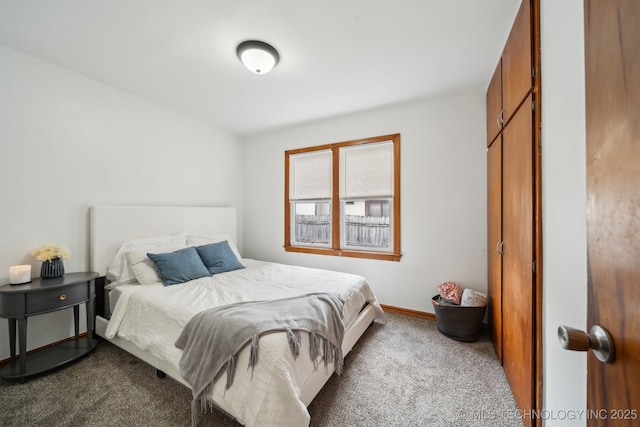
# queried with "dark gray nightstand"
point(18, 302)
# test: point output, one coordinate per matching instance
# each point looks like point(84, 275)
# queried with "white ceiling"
point(336, 56)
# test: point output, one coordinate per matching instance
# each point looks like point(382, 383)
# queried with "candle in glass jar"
point(19, 274)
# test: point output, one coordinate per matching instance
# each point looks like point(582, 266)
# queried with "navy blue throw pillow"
point(179, 266)
point(218, 257)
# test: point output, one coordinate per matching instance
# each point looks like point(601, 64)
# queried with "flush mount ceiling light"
point(259, 57)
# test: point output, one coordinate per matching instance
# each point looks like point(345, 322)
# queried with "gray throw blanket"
point(212, 339)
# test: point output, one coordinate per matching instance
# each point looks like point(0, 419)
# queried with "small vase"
point(52, 268)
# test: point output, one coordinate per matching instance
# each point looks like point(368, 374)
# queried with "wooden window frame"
point(335, 249)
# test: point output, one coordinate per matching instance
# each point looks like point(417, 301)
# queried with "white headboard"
point(113, 225)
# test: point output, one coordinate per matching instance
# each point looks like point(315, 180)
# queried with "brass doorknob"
point(598, 340)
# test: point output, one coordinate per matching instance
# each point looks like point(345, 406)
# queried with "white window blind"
point(310, 176)
point(366, 171)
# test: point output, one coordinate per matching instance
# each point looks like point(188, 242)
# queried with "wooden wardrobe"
point(512, 204)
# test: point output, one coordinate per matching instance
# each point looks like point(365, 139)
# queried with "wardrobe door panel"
point(518, 254)
point(517, 77)
point(494, 239)
point(494, 105)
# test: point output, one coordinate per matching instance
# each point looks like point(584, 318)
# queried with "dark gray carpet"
point(401, 373)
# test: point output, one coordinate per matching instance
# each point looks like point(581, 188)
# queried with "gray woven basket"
point(458, 322)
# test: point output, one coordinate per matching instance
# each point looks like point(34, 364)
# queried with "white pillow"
point(143, 268)
point(120, 271)
point(214, 238)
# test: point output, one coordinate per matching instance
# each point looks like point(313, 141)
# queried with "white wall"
point(443, 195)
point(68, 142)
point(563, 203)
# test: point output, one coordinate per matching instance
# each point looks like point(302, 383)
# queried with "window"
point(310, 196)
point(344, 199)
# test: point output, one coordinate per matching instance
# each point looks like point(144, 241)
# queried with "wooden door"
point(612, 74)
point(518, 254)
point(517, 65)
point(494, 239)
point(494, 104)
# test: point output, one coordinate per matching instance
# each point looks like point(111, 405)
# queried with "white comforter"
point(153, 316)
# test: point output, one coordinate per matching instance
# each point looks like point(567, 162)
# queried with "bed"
point(144, 317)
